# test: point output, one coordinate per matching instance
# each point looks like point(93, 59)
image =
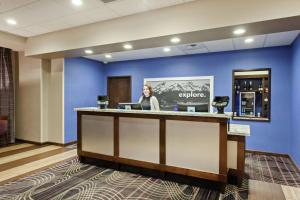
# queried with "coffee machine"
point(102, 102)
point(220, 102)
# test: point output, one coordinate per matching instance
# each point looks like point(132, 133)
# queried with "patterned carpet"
point(272, 169)
point(74, 180)
point(233, 192)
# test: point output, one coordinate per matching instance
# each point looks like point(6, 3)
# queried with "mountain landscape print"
point(173, 91)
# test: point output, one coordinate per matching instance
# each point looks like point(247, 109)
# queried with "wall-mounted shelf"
point(251, 94)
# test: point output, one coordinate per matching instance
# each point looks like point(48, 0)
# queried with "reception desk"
point(191, 144)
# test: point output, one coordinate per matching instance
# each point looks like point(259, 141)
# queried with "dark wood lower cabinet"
point(237, 174)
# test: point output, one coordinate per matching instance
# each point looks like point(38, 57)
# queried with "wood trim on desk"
point(223, 149)
point(79, 131)
point(239, 172)
point(156, 116)
point(195, 173)
point(240, 160)
point(136, 115)
point(138, 163)
point(235, 137)
point(162, 141)
point(115, 114)
point(96, 155)
point(95, 113)
point(196, 118)
point(159, 167)
point(116, 137)
point(221, 177)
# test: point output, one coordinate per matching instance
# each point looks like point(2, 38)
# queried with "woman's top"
point(146, 103)
point(149, 103)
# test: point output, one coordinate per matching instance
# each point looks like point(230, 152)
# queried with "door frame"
point(130, 84)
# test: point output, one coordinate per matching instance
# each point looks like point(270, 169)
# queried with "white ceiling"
point(36, 17)
point(260, 41)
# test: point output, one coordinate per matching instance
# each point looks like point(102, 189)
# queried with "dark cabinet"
point(251, 94)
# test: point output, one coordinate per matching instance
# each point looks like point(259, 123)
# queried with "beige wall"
point(193, 16)
point(45, 71)
point(39, 106)
point(28, 99)
point(11, 41)
point(56, 102)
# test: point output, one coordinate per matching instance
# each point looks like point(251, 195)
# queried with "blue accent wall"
point(296, 101)
point(85, 79)
point(274, 136)
point(83, 82)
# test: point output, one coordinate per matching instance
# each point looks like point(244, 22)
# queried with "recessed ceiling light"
point(127, 46)
point(249, 40)
point(175, 40)
point(108, 56)
point(77, 2)
point(11, 21)
point(88, 51)
point(167, 49)
point(239, 31)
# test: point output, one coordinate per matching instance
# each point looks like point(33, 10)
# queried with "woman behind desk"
point(147, 100)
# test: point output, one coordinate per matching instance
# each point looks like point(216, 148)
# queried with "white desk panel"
point(98, 134)
point(193, 145)
point(139, 139)
point(232, 149)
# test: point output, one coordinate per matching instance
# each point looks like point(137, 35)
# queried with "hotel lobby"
point(150, 99)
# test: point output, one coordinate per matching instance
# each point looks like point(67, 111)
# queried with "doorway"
point(118, 90)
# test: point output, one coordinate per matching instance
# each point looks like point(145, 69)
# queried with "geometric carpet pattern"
point(74, 180)
point(272, 169)
point(234, 192)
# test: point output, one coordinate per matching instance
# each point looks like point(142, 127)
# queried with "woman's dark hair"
point(149, 88)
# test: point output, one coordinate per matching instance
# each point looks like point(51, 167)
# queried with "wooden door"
point(118, 90)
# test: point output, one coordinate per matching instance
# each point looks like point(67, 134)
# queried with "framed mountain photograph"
point(182, 90)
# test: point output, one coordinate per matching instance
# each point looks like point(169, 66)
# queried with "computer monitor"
point(130, 106)
point(102, 98)
point(193, 107)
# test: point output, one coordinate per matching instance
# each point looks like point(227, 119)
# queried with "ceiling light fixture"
point(88, 51)
point(11, 21)
point(108, 56)
point(239, 31)
point(77, 2)
point(175, 40)
point(167, 49)
point(127, 46)
point(249, 40)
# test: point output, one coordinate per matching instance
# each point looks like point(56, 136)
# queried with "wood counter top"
point(159, 113)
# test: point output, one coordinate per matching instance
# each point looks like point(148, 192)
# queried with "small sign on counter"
point(239, 129)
